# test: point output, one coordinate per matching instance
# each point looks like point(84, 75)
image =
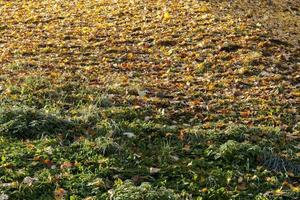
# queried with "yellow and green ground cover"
point(129, 99)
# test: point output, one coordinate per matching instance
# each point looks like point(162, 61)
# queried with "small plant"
point(128, 191)
point(234, 151)
point(166, 151)
point(106, 145)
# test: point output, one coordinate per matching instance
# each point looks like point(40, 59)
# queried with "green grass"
point(233, 163)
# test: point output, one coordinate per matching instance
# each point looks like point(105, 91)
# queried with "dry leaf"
point(66, 165)
point(60, 193)
point(129, 134)
point(154, 170)
point(167, 16)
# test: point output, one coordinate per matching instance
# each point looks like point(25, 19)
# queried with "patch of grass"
point(90, 165)
point(128, 190)
point(25, 123)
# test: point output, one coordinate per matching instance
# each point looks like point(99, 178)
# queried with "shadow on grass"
point(31, 124)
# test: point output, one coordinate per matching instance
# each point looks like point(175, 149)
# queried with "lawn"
point(156, 99)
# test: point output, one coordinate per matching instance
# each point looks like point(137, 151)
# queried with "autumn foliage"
point(195, 99)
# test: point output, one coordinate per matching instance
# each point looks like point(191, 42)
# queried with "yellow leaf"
point(203, 8)
point(130, 56)
point(278, 192)
point(243, 70)
point(296, 93)
point(295, 189)
point(211, 86)
point(206, 125)
point(167, 16)
point(98, 183)
point(30, 146)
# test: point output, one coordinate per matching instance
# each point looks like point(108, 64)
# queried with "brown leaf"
point(60, 193)
point(47, 162)
point(242, 186)
point(245, 114)
point(66, 165)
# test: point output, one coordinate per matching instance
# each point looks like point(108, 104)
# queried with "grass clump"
point(25, 123)
point(128, 191)
point(233, 151)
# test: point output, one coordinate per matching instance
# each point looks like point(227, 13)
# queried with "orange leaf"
point(47, 162)
point(59, 193)
point(245, 114)
point(66, 165)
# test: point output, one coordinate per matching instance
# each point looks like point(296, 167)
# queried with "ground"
point(128, 99)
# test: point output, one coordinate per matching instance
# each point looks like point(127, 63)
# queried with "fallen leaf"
point(245, 114)
point(129, 134)
point(29, 181)
point(154, 170)
point(167, 16)
point(242, 186)
point(66, 165)
point(279, 192)
point(141, 93)
point(47, 162)
point(60, 193)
